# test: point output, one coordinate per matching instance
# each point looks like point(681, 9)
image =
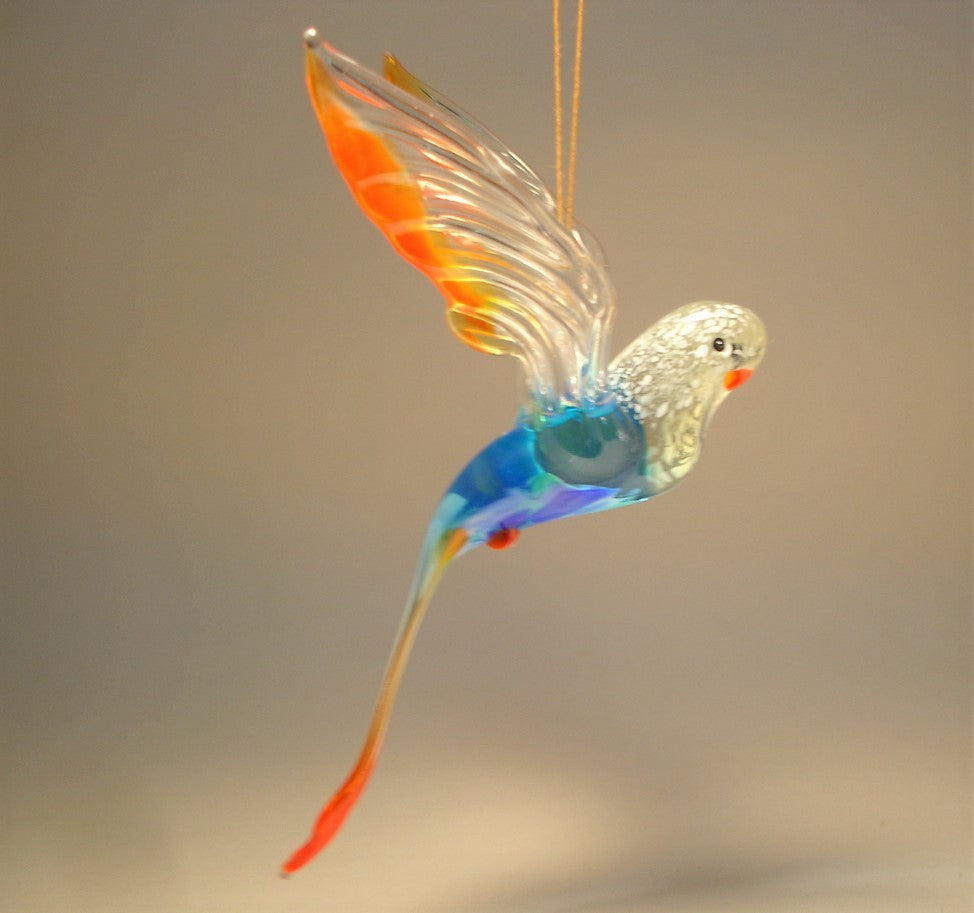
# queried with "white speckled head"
point(675, 375)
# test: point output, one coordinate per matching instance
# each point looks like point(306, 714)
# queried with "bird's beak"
point(733, 379)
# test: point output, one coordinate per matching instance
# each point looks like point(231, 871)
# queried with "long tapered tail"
point(437, 554)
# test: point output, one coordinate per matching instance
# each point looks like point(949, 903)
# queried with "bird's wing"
point(467, 212)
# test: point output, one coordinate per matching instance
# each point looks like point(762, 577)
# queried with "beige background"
point(229, 410)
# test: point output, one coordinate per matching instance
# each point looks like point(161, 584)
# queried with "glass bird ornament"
point(594, 434)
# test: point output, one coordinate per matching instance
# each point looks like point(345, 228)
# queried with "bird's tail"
point(439, 550)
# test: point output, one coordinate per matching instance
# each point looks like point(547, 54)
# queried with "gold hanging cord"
point(565, 195)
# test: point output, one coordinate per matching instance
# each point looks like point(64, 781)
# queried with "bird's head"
point(676, 374)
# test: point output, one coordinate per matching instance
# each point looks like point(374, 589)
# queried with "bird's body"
point(514, 482)
point(594, 436)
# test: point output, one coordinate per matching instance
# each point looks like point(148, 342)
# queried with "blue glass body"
point(545, 468)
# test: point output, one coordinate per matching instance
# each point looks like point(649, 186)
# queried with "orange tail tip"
point(331, 817)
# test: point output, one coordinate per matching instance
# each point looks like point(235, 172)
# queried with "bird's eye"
point(719, 344)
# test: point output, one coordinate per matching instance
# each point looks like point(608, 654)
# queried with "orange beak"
point(733, 379)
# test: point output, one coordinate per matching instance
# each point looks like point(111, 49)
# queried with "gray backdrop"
point(229, 410)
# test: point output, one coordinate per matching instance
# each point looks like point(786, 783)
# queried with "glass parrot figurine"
point(593, 435)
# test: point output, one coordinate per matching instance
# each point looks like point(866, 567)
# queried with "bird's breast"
point(598, 446)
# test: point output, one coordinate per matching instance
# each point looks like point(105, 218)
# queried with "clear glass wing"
point(467, 212)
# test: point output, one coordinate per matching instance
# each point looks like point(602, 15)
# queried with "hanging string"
point(559, 155)
point(565, 196)
point(576, 92)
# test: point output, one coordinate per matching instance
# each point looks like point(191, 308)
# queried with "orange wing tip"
point(316, 73)
point(400, 77)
